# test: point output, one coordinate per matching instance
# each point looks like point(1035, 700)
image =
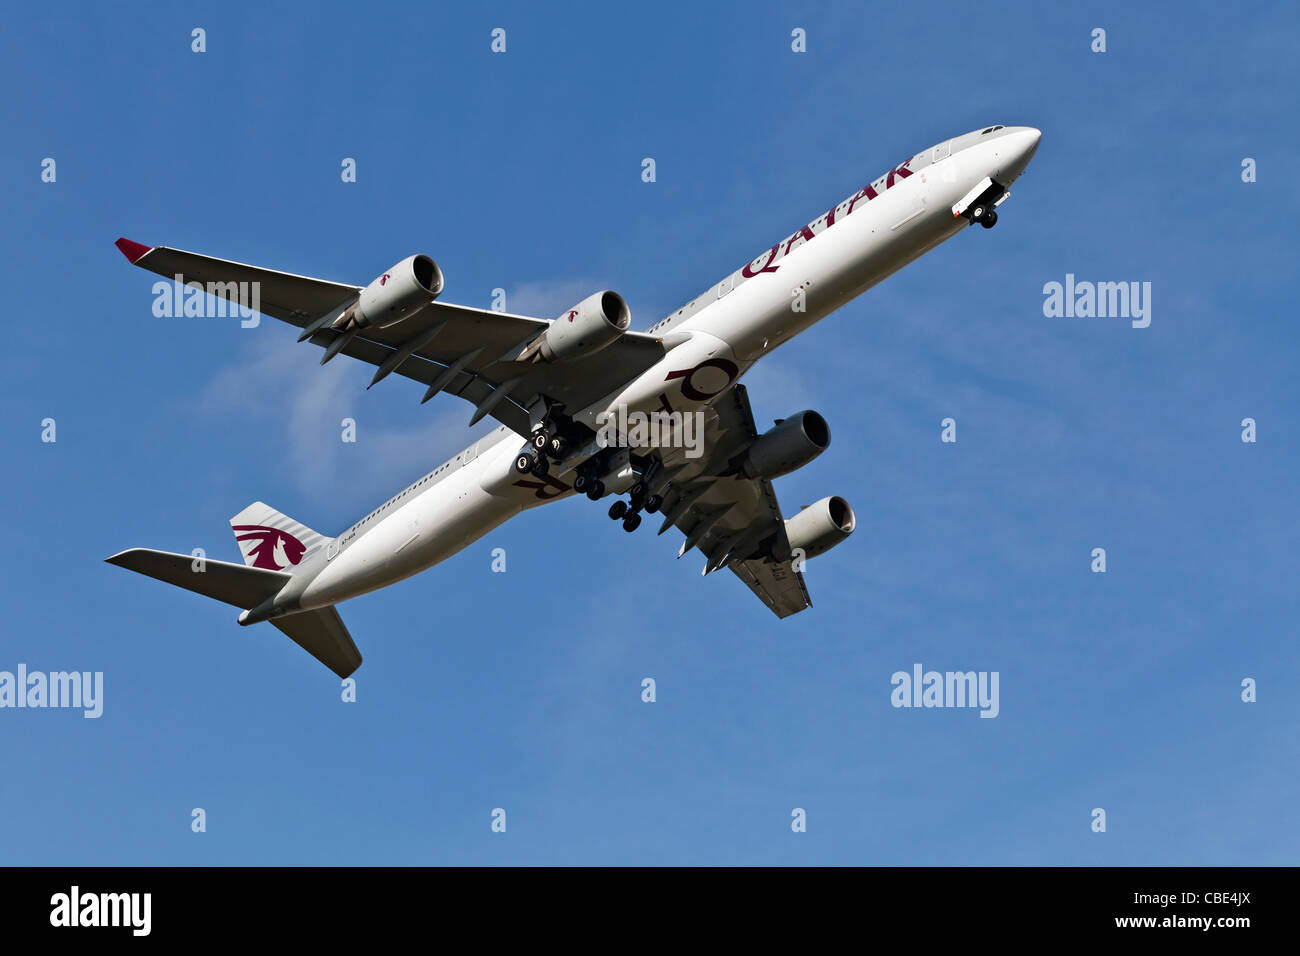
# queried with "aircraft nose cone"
point(1022, 145)
point(1032, 136)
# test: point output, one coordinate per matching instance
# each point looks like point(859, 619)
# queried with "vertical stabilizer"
point(273, 541)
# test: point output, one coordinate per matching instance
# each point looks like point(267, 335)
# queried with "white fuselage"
point(722, 333)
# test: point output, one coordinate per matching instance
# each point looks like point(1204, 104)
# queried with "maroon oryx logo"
point(546, 489)
point(573, 314)
point(275, 550)
point(383, 279)
point(694, 391)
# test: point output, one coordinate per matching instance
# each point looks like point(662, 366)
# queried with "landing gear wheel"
point(638, 490)
point(618, 509)
point(541, 466)
point(990, 219)
point(581, 483)
point(524, 463)
point(540, 440)
point(597, 490)
point(559, 448)
point(632, 522)
point(978, 212)
point(653, 504)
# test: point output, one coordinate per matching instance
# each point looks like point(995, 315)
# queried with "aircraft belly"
point(417, 536)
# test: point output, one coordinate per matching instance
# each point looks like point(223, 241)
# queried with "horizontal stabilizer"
point(323, 635)
point(244, 587)
point(320, 633)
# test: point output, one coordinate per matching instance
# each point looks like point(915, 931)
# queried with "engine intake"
point(820, 526)
point(406, 287)
point(787, 446)
point(591, 325)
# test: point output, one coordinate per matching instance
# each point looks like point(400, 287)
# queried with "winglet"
point(132, 250)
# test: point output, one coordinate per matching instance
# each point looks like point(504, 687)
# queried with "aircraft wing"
point(735, 521)
point(465, 350)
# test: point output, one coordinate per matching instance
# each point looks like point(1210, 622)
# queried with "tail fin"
point(320, 633)
point(273, 541)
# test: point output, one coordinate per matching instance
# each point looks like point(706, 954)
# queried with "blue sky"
point(522, 171)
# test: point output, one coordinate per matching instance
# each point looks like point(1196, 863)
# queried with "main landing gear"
point(620, 510)
point(620, 470)
point(629, 512)
point(530, 463)
point(587, 484)
point(548, 443)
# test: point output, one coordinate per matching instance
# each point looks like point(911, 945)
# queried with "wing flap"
point(735, 521)
point(777, 584)
point(466, 384)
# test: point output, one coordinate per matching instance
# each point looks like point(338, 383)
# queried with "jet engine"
point(820, 526)
point(787, 446)
point(592, 324)
point(412, 283)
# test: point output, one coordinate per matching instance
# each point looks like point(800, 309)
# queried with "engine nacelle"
point(787, 446)
point(820, 526)
point(592, 324)
point(412, 283)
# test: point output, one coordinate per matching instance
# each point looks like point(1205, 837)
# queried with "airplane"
point(555, 385)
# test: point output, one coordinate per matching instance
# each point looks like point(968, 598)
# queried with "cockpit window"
point(991, 129)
